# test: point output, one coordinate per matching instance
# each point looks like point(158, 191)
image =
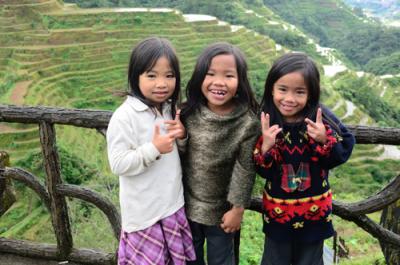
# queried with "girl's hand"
point(316, 130)
point(164, 143)
point(176, 126)
point(269, 133)
point(232, 219)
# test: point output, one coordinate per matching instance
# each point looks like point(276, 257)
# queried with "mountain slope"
point(60, 55)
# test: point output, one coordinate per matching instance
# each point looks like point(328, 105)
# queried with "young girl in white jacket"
point(142, 151)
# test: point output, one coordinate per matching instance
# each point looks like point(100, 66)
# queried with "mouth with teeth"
point(217, 93)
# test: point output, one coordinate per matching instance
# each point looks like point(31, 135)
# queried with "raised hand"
point(164, 143)
point(316, 130)
point(176, 126)
point(269, 133)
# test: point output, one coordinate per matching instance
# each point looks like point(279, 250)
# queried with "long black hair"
point(194, 95)
point(143, 58)
point(303, 64)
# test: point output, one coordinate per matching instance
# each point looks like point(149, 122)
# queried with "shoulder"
point(339, 127)
point(328, 113)
point(128, 114)
point(123, 112)
point(250, 119)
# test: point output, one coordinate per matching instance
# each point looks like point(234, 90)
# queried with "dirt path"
point(19, 92)
point(4, 128)
point(16, 98)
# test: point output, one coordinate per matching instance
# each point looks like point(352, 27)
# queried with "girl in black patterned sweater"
point(301, 140)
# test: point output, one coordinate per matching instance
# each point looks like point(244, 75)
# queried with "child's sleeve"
point(265, 160)
point(243, 175)
point(338, 147)
point(125, 155)
point(181, 143)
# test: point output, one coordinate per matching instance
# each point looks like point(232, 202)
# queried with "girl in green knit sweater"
point(218, 171)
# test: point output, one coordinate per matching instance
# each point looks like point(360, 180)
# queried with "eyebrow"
point(169, 71)
point(233, 70)
point(299, 87)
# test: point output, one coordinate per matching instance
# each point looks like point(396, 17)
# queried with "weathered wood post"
point(390, 219)
point(58, 204)
point(7, 195)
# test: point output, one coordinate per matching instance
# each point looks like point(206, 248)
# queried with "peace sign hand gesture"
point(164, 143)
point(316, 130)
point(269, 133)
point(176, 126)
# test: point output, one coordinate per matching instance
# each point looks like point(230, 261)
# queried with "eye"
point(282, 89)
point(301, 92)
point(170, 76)
point(150, 75)
point(210, 73)
point(230, 76)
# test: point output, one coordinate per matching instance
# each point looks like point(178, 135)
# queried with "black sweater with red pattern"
point(297, 200)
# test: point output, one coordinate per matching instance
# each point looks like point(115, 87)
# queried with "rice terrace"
point(61, 68)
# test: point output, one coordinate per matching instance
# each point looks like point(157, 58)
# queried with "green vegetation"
point(362, 40)
point(73, 169)
point(384, 65)
point(360, 90)
point(335, 25)
point(252, 14)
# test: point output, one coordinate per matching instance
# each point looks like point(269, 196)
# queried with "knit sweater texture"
point(217, 164)
point(297, 199)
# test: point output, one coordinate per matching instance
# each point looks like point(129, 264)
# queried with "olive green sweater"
point(217, 163)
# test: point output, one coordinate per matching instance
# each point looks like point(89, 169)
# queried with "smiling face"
point(220, 84)
point(290, 95)
point(158, 84)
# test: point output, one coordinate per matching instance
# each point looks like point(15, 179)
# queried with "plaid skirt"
point(167, 242)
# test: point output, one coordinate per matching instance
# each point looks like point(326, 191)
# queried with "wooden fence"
point(55, 192)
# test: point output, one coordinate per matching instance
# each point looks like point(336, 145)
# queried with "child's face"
point(220, 84)
point(290, 95)
point(158, 84)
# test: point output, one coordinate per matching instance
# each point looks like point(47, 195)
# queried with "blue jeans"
point(219, 245)
point(292, 253)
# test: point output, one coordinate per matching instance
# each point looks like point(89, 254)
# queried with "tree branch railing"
point(54, 193)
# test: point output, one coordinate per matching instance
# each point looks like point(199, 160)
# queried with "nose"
point(161, 83)
point(289, 97)
point(218, 81)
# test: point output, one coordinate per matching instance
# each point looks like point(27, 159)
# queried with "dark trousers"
point(292, 253)
point(219, 245)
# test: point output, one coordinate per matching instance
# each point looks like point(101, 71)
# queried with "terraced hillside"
point(59, 55)
point(77, 58)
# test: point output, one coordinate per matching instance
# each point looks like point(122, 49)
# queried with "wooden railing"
point(54, 193)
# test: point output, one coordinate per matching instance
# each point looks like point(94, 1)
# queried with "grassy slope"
point(74, 58)
point(333, 24)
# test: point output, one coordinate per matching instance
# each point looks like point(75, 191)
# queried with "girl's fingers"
point(310, 123)
point(173, 134)
point(319, 116)
point(178, 115)
point(171, 122)
point(274, 129)
point(264, 121)
point(156, 130)
point(275, 133)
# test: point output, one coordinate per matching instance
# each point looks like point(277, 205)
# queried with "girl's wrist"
point(265, 147)
point(322, 140)
point(238, 209)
